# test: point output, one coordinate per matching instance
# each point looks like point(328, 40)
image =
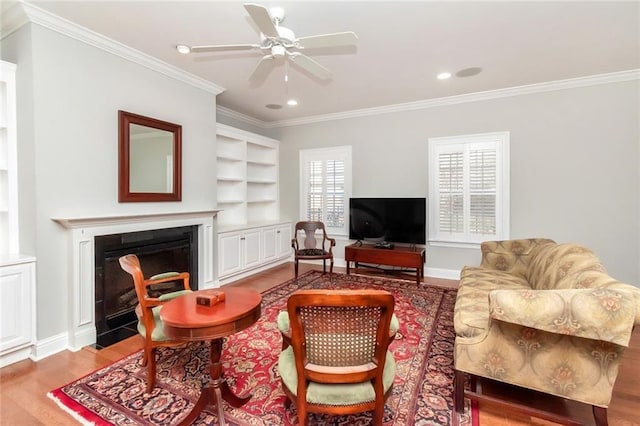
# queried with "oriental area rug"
point(422, 392)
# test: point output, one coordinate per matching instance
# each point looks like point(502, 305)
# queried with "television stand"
point(408, 257)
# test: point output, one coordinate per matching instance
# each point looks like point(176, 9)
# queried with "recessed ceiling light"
point(183, 49)
point(468, 72)
point(292, 102)
point(444, 75)
point(273, 106)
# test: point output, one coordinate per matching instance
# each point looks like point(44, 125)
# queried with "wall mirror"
point(149, 159)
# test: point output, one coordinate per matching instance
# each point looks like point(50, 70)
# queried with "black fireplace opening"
point(159, 251)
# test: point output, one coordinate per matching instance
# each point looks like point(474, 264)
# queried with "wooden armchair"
point(148, 311)
point(338, 361)
point(306, 247)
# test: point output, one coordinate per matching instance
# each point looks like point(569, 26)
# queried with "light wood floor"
point(23, 385)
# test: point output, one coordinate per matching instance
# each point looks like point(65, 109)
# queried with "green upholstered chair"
point(336, 356)
point(148, 310)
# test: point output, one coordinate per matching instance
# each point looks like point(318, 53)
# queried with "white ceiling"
point(401, 46)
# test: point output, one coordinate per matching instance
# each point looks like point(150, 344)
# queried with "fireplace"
point(159, 251)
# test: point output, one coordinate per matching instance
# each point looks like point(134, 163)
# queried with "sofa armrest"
point(594, 313)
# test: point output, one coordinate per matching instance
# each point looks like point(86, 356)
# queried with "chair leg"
point(295, 268)
point(331, 270)
point(151, 370)
point(600, 415)
point(378, 412)
point(324, 266)
point(302, 414)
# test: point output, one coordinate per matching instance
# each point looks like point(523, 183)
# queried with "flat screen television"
point(392, 220)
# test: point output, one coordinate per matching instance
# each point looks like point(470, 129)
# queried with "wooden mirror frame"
point(125, 119)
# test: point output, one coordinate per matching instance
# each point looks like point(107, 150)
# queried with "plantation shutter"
point(326, 175)
point(335, 194)
point(469, 185)
point(314, 191)
point(451, 213)
point(482, 191)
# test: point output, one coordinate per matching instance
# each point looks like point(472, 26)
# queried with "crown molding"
point(11, 18)
point(235, 115)
point(614, 77)
point(21, 13)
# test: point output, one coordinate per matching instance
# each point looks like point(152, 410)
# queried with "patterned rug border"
point(275, 294)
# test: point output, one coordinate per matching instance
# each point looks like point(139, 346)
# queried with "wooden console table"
point(397, 256)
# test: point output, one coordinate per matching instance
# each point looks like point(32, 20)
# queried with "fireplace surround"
point(159, 251)
point(83, 231)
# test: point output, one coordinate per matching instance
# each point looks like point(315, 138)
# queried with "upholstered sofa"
point(542, 316)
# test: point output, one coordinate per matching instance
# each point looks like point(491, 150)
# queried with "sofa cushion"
point(471, 316)
point(334, 394)
point(562, 266)
point(511, 256)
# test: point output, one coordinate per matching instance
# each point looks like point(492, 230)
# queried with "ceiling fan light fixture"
point(279, 43)
point(181, 48)
point(278, 51)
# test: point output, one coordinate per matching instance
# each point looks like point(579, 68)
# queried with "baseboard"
point(16, 356)
point(249, 272)
point(40, 350)
point(49, 346)
point(447, 274)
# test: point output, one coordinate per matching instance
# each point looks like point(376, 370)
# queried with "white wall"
point(574, 165)
point(69, 94)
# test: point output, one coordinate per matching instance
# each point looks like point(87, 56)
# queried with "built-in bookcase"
point(247, 177)
point(17, 271)
point(8, 160)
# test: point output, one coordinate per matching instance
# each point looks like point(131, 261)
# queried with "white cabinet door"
point(229, 253)
point(16, 318)
point(241, 250)
point(283, 248)
point(270, 244)
point(251, 241)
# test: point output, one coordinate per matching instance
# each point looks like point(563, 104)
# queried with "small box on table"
point(210, 297)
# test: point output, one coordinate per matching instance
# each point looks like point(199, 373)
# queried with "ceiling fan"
point(278, 42)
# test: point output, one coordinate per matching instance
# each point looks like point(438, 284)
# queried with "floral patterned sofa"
point(542, 316)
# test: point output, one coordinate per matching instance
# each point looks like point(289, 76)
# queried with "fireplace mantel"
point(82, 222)
point(83, 231)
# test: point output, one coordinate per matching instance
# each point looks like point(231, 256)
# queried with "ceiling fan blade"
point(224, 47)
point(311, 66)
point(261, 17)
point(263, 69)
point(348, 38)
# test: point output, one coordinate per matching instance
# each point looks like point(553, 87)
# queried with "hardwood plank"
point(24, 385)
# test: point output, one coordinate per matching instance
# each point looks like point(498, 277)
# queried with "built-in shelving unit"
point(251, 236)
point(17, 271)
point(247, 177)
point(8, 160)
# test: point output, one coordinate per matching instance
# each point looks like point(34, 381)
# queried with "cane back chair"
point(338, 361)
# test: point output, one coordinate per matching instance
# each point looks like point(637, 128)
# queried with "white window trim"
point(502, 189)
point(332, 153)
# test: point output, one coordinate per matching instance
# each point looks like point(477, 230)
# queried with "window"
point(325, 187)
point(469, 188)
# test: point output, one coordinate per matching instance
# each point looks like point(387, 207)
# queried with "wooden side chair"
point(306, 247)
point(148, 311)
point(338, 361)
